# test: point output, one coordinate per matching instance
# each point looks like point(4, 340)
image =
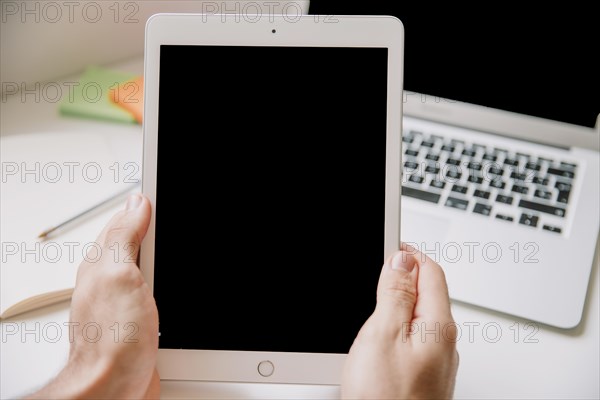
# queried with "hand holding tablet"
point(113, 327)
point(390, 358)
point(407, 347)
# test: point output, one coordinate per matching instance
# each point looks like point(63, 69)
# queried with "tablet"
point(272, 161)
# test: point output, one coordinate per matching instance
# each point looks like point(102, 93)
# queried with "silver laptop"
point(504, 194)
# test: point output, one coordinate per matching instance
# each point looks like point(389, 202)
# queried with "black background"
point(282, 247)
point(537, 60)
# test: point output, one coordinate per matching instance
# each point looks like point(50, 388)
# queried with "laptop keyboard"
point(496, 183)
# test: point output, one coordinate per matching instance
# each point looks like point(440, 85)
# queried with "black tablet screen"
point(270, 196)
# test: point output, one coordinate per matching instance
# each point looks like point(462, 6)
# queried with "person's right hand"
point(406, 349)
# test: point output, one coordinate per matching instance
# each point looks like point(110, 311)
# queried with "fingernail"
point(403, 261)
point(133, 202)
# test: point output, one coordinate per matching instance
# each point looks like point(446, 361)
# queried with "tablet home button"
point(266, 368)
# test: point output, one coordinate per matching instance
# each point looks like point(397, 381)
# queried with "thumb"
point(127, 228)
point(397, 290)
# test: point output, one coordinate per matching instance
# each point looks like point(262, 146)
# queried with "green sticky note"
point(90, 97)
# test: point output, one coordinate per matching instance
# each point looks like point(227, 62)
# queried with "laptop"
point(288, 178)
point(500, 153)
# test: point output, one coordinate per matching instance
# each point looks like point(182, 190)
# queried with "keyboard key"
point(533, 166)
point(482, 209)
point(408, 139)
point(562, 173)
point(476, 179)
point(456, 142)
point(504, 199)
point(529, 220)
point(420, 194)
point(415, 133)
point(540, 181)
point(552, 229)
point(543, 194)
point(428, 144)
point(482, 194)
point(565, 165)
point(489, 157)
point(457, 203)
point(448, 148)
point(452, 161)
point(437, 184)
point(563, 197)
point(469, 153)
point(410, 152)
point(416, 179)
point(495, 171)
point(518, 177)
point(453, 174)
point(520, 189)
point(432, 157)
point(432, 169)
point(497, 183)
point(512, 162)
point(460, 189)
point(563, 187)
point(411, 165)
point(523, 155)
point(474, 166)
point(530, 205)
point(435, 138)
point(505, 218)
point(542, 159)
point(498, 151)
point(477, 146)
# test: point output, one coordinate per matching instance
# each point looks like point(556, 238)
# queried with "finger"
point(153, 391)
point(128, 227)
point(397, 291)
point(433, 303)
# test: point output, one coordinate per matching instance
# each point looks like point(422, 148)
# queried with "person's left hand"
point(114, 320)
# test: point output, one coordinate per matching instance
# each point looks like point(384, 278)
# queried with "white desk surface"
point(557, 364)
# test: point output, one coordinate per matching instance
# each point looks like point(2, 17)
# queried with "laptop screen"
point(288, 222)
point(535, 62)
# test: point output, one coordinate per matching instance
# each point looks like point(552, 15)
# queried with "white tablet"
point(272, 160)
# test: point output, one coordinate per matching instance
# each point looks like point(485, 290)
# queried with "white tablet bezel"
point(267, 30)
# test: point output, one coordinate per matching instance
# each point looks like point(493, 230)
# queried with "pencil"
point(47, 232)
